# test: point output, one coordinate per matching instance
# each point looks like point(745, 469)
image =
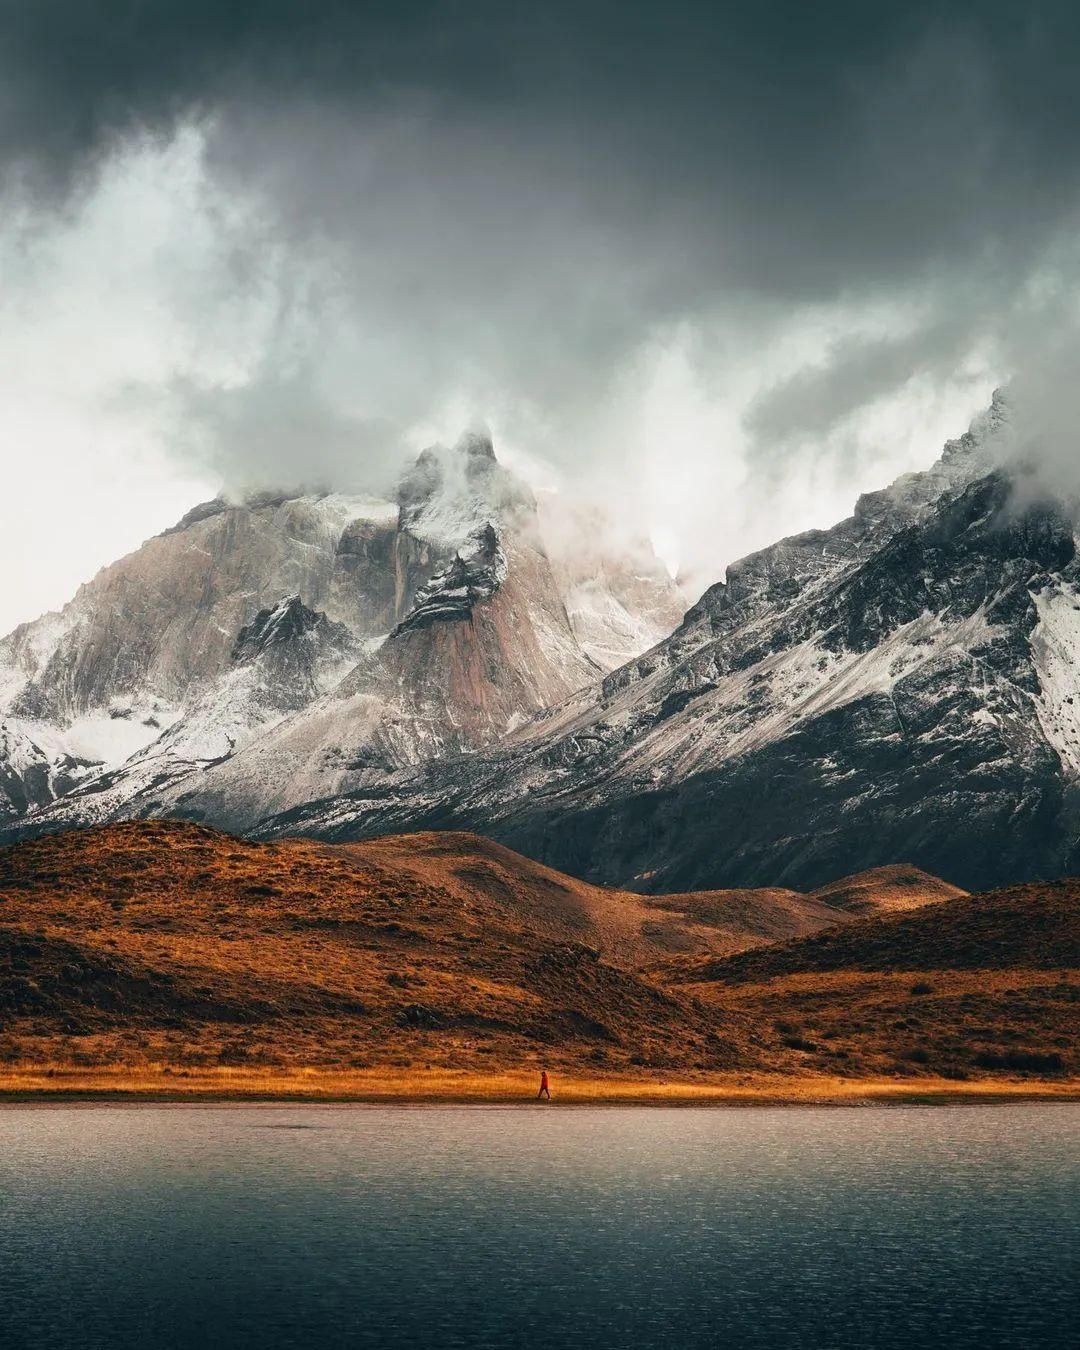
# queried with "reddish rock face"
point(432, 626)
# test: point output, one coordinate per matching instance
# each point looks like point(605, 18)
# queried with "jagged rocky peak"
point(449, 500)
point(160, 623)
point(287, 621)
point(991, 420)
point(902, 685)
point(474, 574)
point(303, 633)
point(795, 566)
point(962, 460)
point(451, 491)
point(475, 443)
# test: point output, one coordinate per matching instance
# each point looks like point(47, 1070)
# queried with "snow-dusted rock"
point(898, 687)
point(903, 686)
point(314, 639)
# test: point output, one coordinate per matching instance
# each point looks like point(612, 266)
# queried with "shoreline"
point(389, 1087)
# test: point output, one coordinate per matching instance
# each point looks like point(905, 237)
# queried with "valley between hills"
point(166, 959)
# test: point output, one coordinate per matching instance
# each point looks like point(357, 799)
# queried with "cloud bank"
point(722, 266)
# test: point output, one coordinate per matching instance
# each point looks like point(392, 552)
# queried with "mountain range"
point(901, 686)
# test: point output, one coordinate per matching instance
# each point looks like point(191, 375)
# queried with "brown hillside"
point(978, 984)
point(479, 872)
point(898, 886)
point(167, 941)
point(1035, 926)
point(739, 919)
point(623, 926)
point(172, 948)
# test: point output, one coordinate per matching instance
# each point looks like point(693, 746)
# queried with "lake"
point(285, 1226)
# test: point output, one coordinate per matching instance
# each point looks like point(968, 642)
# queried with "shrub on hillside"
point(1024, 1061)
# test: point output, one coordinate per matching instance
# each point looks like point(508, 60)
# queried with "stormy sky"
point(722, 266)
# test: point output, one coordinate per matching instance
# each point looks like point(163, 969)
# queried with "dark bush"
point(1025, 1061)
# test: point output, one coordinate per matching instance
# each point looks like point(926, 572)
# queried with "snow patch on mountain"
point(767, 701)
point(286, 657)
point(1055, 644)
point(120, 730)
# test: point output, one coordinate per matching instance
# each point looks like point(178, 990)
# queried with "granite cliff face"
point(484, 644)
point(900, 686)
point(334, 632)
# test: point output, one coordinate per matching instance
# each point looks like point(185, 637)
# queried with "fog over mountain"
point(718, 268)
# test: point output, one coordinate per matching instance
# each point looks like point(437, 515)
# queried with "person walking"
point(545, 1089)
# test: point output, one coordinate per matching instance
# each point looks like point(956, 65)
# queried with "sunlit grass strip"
point(151, 1082)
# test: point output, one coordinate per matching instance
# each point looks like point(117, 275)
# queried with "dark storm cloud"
point(857, 370)
point(514, 194)
point(790, 144)
point(253, 434)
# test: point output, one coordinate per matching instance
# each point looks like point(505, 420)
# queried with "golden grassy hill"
point(886, 889)
point(971, 985)
point(163, 941)
point(173, 945)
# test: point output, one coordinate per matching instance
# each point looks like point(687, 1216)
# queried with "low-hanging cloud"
point(725, 264)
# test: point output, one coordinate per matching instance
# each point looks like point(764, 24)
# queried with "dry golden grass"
point(916, 1023)
point(164, 1083)
point(889, 889)
point(167, 959)
point(158, 942)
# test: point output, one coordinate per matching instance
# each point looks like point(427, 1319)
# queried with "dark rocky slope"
point(900, 686)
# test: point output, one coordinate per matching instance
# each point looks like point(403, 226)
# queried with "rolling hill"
point(173, 946)
point(969, 985)
point(897, 886)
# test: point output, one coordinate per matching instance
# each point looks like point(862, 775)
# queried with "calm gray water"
point(324, 1227)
